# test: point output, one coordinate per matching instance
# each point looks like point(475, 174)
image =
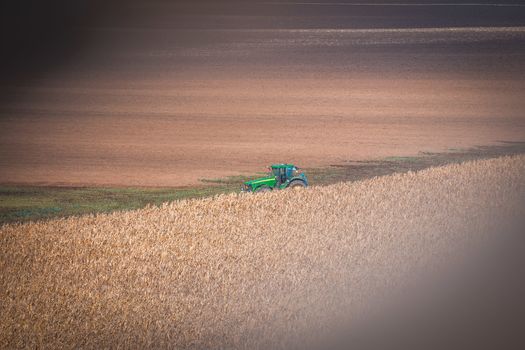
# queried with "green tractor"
point(282, 176)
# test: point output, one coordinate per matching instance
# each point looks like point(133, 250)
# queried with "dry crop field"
point(241, 271)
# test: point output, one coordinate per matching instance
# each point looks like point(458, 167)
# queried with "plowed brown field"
point(152, 105)
point(173, 135)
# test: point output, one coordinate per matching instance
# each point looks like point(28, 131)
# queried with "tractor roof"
point(280, 166)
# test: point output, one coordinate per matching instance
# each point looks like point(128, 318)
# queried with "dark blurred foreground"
point(480, 305)
point(40, 36)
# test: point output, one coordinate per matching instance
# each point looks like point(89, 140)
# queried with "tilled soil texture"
point(244, 271)
point(161, 106)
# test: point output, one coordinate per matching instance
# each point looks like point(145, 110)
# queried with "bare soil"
point(174, 134)
point(150, 104)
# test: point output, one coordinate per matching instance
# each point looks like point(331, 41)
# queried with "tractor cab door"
point(277, 173)
point(282, 175)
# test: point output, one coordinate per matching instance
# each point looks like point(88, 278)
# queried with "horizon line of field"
point(439, 29)
point(382, 4)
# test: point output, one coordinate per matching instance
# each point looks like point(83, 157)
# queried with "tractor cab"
point(281, 176)
point(283, 172)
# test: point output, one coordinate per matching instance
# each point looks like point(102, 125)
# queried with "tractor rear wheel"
point(297, 185)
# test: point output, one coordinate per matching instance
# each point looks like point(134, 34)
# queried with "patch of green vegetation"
point(402, 159)
point(23, 203)
point(18, 203)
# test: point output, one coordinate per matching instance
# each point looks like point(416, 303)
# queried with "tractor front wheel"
point(263, 189)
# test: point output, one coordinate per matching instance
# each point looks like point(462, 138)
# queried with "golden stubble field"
point(242, 271)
